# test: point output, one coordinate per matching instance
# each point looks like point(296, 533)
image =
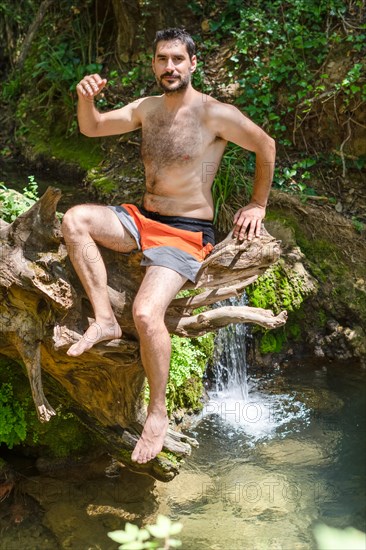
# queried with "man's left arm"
point(233, 126)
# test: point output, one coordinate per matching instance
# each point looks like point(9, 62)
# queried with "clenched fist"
point(90, 86)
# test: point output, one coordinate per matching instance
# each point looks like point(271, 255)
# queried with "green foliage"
point(63, 436)
point(19, 424)
point(188, 362)
point(186, 359)
point(66, 48)
point(275, 45)
point(158, 536)
point(358, 225)
point(101, 184)
point(295, 178)
point(271, 342)
point(11, 88)
point(56, 74)
point(277, 289)
point(135, 79)
point(232, 185)
point(13, 426)
point(12, 203)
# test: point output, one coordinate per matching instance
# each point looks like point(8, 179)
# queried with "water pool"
point(267, 470)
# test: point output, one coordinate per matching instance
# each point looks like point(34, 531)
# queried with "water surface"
point(258, 481)
point(293, 456)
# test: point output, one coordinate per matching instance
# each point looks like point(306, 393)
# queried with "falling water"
point(230, 366)
point(238, 401)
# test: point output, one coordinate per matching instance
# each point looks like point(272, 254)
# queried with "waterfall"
point(241, 403)
point(230, 367)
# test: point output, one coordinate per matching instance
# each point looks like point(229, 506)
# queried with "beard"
point(180, 84)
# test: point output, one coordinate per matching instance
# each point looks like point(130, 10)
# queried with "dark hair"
point(176, 34)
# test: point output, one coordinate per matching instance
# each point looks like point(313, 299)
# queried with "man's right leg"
point(83, 227)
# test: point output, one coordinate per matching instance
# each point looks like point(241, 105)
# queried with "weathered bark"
point(136, 22)
point(44, 310)
point(127, 14)
point(164, 14)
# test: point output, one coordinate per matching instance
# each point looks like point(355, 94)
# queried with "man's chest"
point(173, 139)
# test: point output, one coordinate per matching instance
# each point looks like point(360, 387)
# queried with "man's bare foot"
point(97, 332)
point(152, 437)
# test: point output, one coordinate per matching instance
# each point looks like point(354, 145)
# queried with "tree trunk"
point(32, 32)
point(127, 14)
point(44, 310)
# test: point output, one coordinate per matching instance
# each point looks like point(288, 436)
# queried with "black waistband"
point(181, 222)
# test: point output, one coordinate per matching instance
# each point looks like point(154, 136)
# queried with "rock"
point(357, 338)
point(294, 452)
point(186, 488)
point(318, 351)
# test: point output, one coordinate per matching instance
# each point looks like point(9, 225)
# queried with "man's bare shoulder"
point(213, 107)
point(217, 114)
point(147, 104)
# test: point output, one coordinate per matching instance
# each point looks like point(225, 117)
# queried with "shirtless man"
point(184, 135)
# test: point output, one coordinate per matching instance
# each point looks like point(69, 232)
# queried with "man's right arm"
point(92, 123)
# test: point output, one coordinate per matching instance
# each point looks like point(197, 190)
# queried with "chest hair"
point(168, 140)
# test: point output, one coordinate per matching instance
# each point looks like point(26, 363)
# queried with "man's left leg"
point(159, 286)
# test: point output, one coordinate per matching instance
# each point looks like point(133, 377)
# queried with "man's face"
point(172, 66)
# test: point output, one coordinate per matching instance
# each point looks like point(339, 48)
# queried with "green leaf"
point(132, 529)
point(130, 534)
point(158, 531)
point(174, 543)
point(136, 545)
point(143, 534)
point(121, 536)
point(175, 528)
point(162, 528)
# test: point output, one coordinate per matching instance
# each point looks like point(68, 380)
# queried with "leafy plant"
point(231, 187)
point(294, 178)
point(358, 225)
point(277, 51)
point(158, 536)
point(19, 423)
point(13, 426)
point(66, 48)
point(188, 362)
point(189, 359)
point(12, 203)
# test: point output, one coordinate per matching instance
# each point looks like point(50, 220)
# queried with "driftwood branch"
point(196, 325)
point(43, 310)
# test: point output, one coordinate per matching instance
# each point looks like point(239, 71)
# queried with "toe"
point(144, 458)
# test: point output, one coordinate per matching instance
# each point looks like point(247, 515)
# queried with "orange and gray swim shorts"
point(178, 243)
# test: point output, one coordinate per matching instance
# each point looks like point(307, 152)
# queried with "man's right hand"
point(90, 86)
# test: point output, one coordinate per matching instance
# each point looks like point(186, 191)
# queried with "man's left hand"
point(248, 221)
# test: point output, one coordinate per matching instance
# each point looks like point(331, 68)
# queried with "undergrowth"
point(19, 424)
point(12, 203)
